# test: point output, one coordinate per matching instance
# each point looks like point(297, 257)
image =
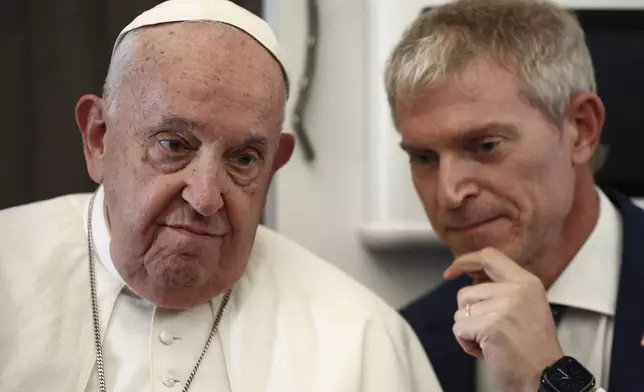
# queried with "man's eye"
point(487, 145)
point(245, 159)
point(422, 158)
point(174, 145)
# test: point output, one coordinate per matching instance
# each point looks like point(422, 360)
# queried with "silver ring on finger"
point(467, 310)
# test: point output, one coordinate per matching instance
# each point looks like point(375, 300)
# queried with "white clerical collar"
point(591, 279)
point(101, 234)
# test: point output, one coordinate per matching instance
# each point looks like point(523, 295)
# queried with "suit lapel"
point(627, 358)
point(454, 368)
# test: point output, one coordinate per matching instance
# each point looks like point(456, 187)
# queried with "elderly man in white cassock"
point(162, 280)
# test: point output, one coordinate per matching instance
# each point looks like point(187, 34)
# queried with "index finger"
point(496, 265)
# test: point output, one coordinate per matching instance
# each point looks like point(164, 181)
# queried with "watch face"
point(568, 375)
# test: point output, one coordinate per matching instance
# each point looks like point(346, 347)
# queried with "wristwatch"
point(567, 375)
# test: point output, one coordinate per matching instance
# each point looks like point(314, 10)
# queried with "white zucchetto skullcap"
point(222, 11)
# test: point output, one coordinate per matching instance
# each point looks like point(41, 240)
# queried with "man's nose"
point(456, 183)
point(204, 188)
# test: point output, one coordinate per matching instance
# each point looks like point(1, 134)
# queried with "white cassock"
point(294, 323)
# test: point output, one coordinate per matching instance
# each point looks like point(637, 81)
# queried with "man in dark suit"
point(496, 104)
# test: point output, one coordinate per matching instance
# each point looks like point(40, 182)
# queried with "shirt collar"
point(590, 280)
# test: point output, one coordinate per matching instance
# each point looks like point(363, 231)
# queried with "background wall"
point(321, 205)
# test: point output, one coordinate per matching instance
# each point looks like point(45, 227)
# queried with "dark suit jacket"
point(432, 317)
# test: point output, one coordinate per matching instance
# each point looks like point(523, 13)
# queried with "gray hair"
point(543, 43)
point(124, 61)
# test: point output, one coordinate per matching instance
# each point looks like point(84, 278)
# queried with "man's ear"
point(282, 156)
point(284, 151)
point(586, 114)
point(90, 119)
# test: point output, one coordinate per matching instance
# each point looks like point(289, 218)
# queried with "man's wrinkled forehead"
point(213, 75)
point(214, 55)
point(211, 58)
point(218, 11)
point(199, 42)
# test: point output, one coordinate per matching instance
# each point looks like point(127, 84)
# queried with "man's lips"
point(468, 226)
point(194, 229)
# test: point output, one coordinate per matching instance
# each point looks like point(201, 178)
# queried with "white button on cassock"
point(169, 380)
point(166, 338)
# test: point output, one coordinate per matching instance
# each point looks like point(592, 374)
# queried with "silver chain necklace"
point(97, 330)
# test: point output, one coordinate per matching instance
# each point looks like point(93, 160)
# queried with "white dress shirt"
point(147, 348)
point(588, 286)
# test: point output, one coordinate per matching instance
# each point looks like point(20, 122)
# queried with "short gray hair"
point(124, 60)
point(540, 41)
